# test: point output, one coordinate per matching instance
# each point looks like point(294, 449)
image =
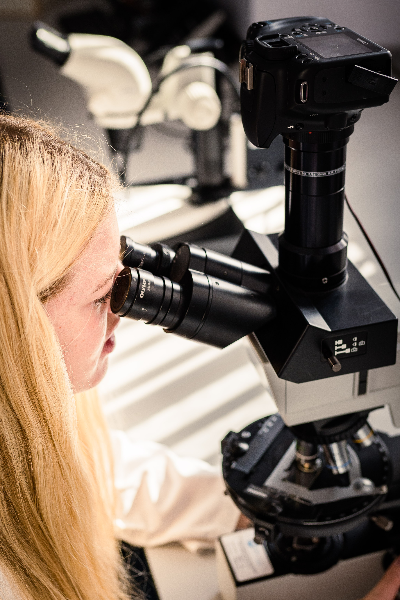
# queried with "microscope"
point(316, 480)
point(122, 99)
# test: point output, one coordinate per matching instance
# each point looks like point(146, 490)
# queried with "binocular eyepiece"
point(193, 292)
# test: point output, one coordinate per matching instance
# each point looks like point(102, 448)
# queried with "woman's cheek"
point(98, 325)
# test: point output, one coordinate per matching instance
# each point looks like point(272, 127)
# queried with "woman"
point(60, 516)
point(58, 507)
point(56, 526)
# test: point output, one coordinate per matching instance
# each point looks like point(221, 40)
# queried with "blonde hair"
point(57, 539)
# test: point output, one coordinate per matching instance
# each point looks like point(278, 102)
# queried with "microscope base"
point(246, 573)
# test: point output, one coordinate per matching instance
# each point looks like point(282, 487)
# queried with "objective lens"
point(337, 457)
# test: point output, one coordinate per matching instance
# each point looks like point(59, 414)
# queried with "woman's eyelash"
point(104, 299)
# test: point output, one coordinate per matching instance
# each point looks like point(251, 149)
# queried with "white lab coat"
point(164, 498)
point(167, 498)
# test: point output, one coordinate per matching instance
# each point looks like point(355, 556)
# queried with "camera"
point(315, 478)
point(308, 74)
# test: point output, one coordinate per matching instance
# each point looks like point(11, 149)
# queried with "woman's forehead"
point(99, 258)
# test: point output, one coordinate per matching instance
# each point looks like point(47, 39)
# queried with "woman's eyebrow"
point(99, 287)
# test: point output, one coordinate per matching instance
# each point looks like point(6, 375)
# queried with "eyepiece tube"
point(201, 307)
point(161, 260)
point(156, 258)
point(143, 296)
point(189, 256)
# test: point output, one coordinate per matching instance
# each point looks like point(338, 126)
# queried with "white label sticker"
point(247, 559)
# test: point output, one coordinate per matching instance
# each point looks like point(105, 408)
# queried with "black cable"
point(205, 61)
point(201, 61)
point(374, 250)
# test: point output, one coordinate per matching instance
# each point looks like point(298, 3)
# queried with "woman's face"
point(81, 313)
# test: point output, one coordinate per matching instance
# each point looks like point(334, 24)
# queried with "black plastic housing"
point(308, 327)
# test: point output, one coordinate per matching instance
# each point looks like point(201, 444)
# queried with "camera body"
point(308, 74)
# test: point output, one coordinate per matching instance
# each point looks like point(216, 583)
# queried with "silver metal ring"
point(315, 173)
